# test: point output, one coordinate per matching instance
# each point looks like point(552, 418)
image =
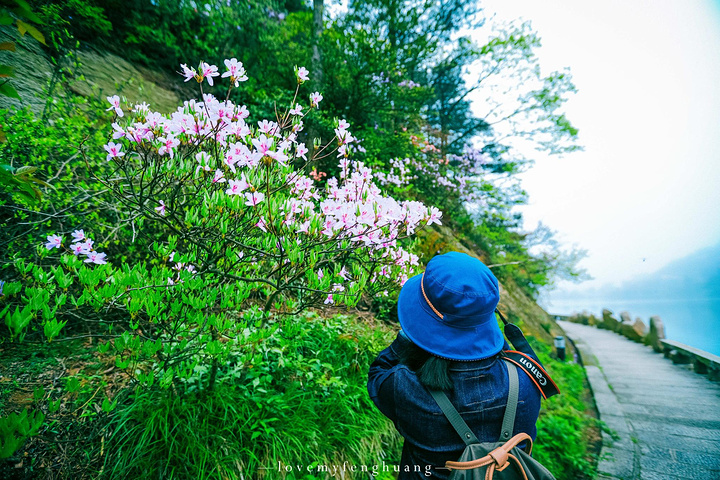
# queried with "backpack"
point(501, 460)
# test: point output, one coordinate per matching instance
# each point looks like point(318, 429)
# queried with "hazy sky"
point(646, 188)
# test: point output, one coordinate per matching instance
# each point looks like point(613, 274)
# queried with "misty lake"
point(692, 322)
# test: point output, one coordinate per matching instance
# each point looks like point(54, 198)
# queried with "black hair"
point(432, 371)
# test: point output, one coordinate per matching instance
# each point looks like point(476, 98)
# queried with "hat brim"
point(438, 336)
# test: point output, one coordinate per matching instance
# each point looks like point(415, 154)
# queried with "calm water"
point(692, 322)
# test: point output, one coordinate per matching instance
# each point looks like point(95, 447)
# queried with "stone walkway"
point(665, 416)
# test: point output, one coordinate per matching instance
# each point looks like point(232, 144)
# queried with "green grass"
point(295, 393)
point(299, 397)
point(561, 444)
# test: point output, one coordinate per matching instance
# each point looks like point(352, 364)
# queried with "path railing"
point(703, 362)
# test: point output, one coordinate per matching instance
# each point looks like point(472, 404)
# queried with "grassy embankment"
point(297, 396)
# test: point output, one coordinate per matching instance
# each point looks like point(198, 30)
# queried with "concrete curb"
point(620, 456)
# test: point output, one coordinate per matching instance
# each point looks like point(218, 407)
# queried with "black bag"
point(501, 460)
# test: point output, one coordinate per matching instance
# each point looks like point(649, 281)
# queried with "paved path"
point(667, 418)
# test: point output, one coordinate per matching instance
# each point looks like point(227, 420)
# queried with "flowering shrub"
point(236, 226)
point(449, 181)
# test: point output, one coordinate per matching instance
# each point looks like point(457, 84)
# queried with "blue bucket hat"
point(449, 311)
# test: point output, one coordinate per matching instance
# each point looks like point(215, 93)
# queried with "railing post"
point(560, 347)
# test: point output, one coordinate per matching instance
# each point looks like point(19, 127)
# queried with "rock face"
point(639, 327)
point(107, 74)
point(639, 330)
point(609, 322)
point(628, 329)
point(32, 67)
point(100, 75)
point(657, 333)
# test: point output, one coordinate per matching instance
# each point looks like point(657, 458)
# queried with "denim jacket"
point(480, 394)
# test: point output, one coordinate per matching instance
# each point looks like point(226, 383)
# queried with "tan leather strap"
point(491, 469)
point(422, 287)
point(498, 458)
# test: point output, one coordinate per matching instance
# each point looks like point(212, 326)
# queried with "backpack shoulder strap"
point(462, 428)
point(454, 417)
point(508, 424)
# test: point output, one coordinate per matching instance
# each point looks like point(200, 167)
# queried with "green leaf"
point(23, 10)
point(11, 288)
point(108, 407)
point(38, 393)
point(119, 363)
point(34, 32)
point(52, 328)
point(54, 405)
point(72, 385)
point(9, 91)
point(10, 443)
point(27, 169)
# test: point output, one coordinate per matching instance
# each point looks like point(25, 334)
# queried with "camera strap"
point(534, 370)
point(526, 359)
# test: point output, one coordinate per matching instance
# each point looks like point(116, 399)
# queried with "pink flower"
point(263, 144)
point(329, 299)
point(235, 71)
point(141, 108)
point(219, 177)
point(167, 145)
point(279, 156)
point(188, 73)
point(262, 225)
point(78, 236)
point(230, 161)
point(297, 111)
point(208, 71)
point(161, 209)
point(315, 99)
point(303, 228)
point(243, 112)
point(53, 241)
point(434, 216)
point(268, 127)
point(254, 198)
point(113, 150)
point(118, 132)
point(95, 257)
point(302, 74)
point(236, 187)
point(343, 273)
point(320, 274)
point(301, 150)
point(204, 161)
point(115, 104)
point(78, 248)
